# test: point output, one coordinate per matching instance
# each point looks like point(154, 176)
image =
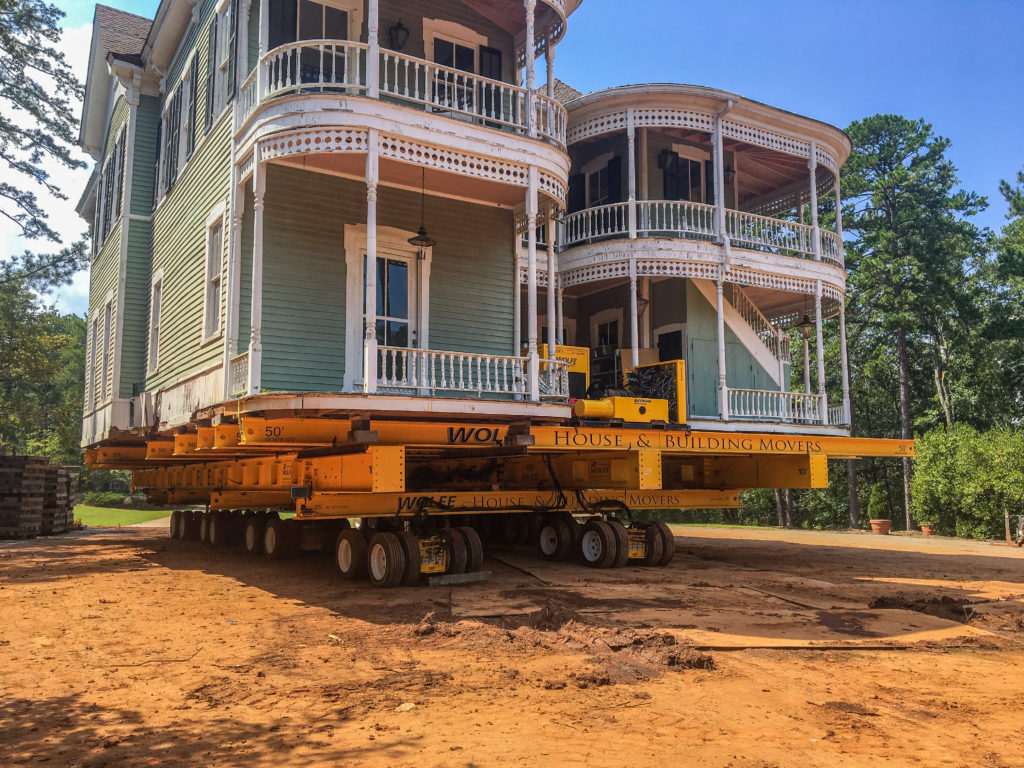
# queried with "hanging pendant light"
point(422, 239)
point(806, 325)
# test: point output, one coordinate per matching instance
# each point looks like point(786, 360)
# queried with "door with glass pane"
point(452, 89)
point(324, 63)
point(396, 310)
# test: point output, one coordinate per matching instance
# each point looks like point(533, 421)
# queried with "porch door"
point(319, 21)
point(397, 308)
point(451, 90)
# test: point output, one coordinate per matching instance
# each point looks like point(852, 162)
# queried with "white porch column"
point(634, 315)
point(531, 111)
point(559, 313)
point(517, 308)
point(264, 47)
point(719, 168)
point(549, 236)
point(549, 63)
point(812, 165)
point(233, 279)
point(847, 415)
point(373, 39)
point(370, 321)
point(242, 41)
point(723, 392)
point(807, 366)
point(631, 143)
point(533, 362)
point(821, 353)
point(259, 188)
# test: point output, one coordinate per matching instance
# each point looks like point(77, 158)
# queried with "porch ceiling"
point(405, 175)
point(510, 15)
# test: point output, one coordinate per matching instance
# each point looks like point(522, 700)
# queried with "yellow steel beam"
point(159, 449)
point(328, 504)
point(185, 443)
point(250, 499)
point(800, 471)
point(297, 432)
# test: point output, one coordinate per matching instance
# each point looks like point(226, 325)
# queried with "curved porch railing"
point(432, 371)
point(318, 66)
point(767, 405)
point(671, 218)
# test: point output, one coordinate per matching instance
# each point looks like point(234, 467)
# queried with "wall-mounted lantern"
point(398, 35)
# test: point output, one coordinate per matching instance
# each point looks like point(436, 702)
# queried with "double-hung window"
point(155, 298)
point(105, 357)
point(214, 271)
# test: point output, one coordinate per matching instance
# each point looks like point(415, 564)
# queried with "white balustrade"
point(770, 405)
point(762, 232)
point(661, 218)
point(238, 374)
point(832, 248)
point(445, 89)
point(776, 341)
point(837, 416)
point(596, 223)
point(314, 66)
point(435, 371)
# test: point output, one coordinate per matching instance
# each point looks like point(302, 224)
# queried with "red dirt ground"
point(754, 648)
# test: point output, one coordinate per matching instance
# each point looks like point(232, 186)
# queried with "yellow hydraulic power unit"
point(578, 359)
point(633, 410)
point(665, 380)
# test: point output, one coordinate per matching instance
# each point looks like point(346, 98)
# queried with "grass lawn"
point(107, 517)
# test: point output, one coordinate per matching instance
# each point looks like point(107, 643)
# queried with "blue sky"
point(954, 63)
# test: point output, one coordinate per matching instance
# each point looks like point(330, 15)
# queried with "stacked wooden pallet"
point(22, 491)
point(59, 499)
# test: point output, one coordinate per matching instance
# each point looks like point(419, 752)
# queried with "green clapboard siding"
point(147, 121)
point(304, 274)
point(118, 119)
point(179, 248)
point(136, 307)
point(103, 281)
point(742, 370)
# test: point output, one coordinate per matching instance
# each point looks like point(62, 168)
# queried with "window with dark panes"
point(454, 90)
point(229, 51)
point(211, 75)
point(119, 152)
point(317, 21)
point(193, 97)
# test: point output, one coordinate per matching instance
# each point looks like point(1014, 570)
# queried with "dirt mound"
point(945, 607)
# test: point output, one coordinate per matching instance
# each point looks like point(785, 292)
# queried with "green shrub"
point(103, 499)
point(964, 481)
point(878, 503)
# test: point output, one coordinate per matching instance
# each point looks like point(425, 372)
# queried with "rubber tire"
point(457, 554)
point(204, 527)
point(177, 527)
point(357, 553)
point(474, 548)
point(386, 550)
point(622, 543)
point(668, 541)
point(254, 525)
point(555, 532)
point(607, 544)
point(655, 545)
point(278, 533)
point(329, 533)
point(219, 529)
point(411, 549)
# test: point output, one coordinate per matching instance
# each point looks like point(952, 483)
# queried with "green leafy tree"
point(909, 259)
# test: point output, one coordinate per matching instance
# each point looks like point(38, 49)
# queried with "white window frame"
point(108, 335)
point(90, 378)
point(185, 83)
point(389, 241)
point(213, 284)
point(595, 166)
point(155, 313)
point(669, 328)
point(453, 33)
point(353, 8)
point(699, 156)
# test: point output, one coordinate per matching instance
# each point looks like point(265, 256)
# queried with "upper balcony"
point(460, 81)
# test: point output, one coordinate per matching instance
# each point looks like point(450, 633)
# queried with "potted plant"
point(927, 527)
point(877, 506)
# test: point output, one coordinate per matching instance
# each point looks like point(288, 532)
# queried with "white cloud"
point(62, 216)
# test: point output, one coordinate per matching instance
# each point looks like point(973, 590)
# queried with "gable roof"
point(121, 33)
point(564, 93)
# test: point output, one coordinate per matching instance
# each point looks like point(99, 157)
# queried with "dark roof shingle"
point(121, 33)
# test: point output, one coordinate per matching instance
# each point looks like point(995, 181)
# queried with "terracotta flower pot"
point(881, 527)
point(927, 530)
